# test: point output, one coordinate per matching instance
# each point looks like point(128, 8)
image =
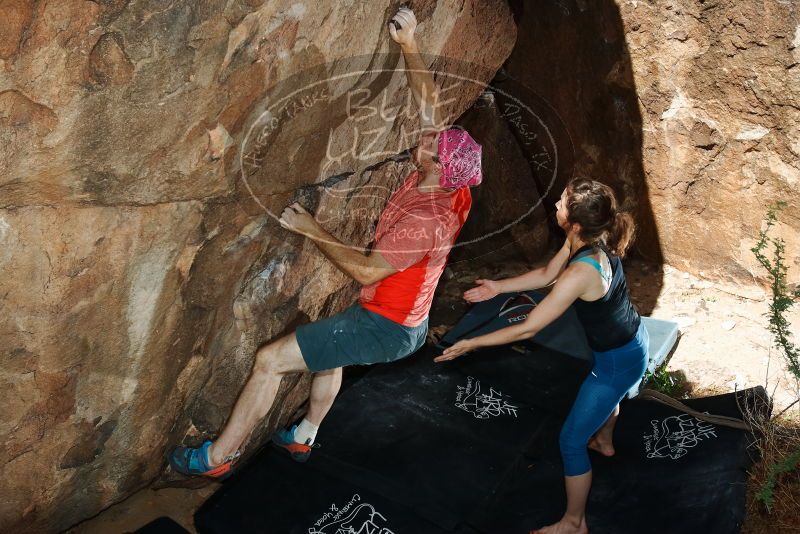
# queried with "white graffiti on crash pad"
point(673, 436)
point(355, 517)
point(470, 398)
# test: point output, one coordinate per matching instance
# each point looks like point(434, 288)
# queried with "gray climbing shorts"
point(357, 336)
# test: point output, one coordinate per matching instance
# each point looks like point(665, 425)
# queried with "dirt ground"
point(724, 345)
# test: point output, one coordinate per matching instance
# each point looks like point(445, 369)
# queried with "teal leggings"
point(614, 373)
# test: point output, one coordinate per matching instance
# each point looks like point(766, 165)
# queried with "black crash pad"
point(432, 419)
point(276, 495)
point(471, 446)
point(162, 525)
point(671, 473)
point(564, 335)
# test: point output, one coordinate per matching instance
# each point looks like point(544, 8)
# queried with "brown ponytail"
point(593, 206)
point(621, 234)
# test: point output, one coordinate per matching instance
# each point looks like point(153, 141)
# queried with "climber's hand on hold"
point(420, 80)
point(296, 219)
point(402, 27)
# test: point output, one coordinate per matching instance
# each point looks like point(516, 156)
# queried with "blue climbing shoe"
point(284, 439)
point(194, 462)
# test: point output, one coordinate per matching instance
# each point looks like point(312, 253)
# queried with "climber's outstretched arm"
point(420, 79)
point(363, 268)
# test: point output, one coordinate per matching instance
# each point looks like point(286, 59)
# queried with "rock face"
point(719, 87)
point(688, 109)
point(507, 217)
point(144, 147)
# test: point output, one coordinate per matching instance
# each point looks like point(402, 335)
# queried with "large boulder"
point(144, 150)
point(719, 86)
point(687, 109)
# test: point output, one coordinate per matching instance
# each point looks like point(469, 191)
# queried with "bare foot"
point(603, 447)
point(564, 527)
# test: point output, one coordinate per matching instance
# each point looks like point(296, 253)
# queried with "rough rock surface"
point(139, 272)
point(688, 109)
point(719, 92)
point(507, 217)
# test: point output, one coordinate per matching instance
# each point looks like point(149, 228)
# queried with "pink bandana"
point(460, 157)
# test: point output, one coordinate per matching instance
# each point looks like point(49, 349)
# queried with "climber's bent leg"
point(272, 362)
point(324, 389)
point(299, 439)
point(356, 336)
point(215, 459)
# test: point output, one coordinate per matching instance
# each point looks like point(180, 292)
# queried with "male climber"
point(390, 319)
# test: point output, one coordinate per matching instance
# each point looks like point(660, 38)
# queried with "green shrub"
point(672, 384)
point(782, 300)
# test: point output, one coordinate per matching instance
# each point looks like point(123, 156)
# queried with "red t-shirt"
point(415, 234)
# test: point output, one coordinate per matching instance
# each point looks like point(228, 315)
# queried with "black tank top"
point(610, 321)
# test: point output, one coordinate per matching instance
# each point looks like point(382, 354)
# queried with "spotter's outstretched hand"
point(451, 353)
point(485, 290)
